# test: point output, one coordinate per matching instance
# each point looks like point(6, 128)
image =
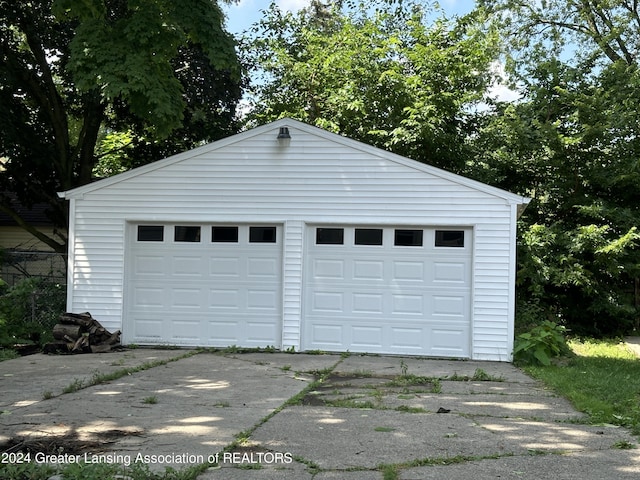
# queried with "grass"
point(103, 471)
point(601, 380)
point(8, 354)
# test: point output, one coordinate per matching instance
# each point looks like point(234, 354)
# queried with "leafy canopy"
point(149, 77)
point(406, 78)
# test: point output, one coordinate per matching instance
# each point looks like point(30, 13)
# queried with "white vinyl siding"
point(319, 178)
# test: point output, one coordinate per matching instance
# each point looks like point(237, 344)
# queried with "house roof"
point(34, 215)
point(295, 124)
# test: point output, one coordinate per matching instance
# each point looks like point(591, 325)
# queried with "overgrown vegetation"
point(541, 344)
point(29, 310)
point(103, 471)
point(602, 380)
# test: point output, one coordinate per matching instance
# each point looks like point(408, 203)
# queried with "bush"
point(29, 310)
point(539, 345)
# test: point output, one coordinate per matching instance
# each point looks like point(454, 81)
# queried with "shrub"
point(539, 345)
point(29, 310)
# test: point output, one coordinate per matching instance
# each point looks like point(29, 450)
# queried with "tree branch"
point(44, 238)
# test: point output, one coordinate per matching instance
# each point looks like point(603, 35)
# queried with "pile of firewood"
point(81, 333)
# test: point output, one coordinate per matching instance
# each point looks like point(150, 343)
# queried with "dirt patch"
point(64, 444)
point(345, 385)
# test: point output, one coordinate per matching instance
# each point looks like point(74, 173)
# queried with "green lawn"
point(602, 380)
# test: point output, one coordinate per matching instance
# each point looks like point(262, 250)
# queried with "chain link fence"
point(34, 291)
point(16, 266)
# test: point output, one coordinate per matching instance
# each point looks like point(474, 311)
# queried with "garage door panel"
point(403, 338)
point(451, 272)
point(228, 298)
point(149, 297)
point(368, 270)
point(260, 333)
point(223, 333)
point(326, 334)
point(367, 336)
point(449, 341)
point(452, 306)
point(407, 304)
point(387, 299)
point(149, 328)
point(263, 300)
point(368, 302)
point(184, 330)
point(224, 267)
point(149, 266)
point(263, 268)
point(187, 298)
point(191, 266)
point(413, 271)
point(205, 292)
point(328, 302)
point(328, 269)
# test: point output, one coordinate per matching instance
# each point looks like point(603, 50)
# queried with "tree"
point(596, 27)
point(573, 144)
point(148, 76)
point(388, 77)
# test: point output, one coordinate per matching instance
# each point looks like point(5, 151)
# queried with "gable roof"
point(511, 198)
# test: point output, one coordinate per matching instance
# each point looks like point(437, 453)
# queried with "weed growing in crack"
point(74, 386)
point(623, 445)
point(408, 409)
point(384, 429)
point(478, 376)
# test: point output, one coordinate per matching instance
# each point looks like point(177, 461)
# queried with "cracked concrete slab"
point(193, 406)
point(335, 438)
point(203, 404)
point(618, 464)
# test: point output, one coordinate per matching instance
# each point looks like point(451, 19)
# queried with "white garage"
point(292, 237)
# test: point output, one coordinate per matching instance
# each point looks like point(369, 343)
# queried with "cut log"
point(114, 339)
point(80, 332)
point(82, 342)
point(83, 319)
point(62, 331)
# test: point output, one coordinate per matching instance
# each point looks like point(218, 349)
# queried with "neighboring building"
point(309, 242)
point(23, 255)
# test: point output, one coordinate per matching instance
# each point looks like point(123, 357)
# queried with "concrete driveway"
point(264, 416)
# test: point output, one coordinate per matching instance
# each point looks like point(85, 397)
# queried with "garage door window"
point(330, 236)
point(224, 234)
point(368, 236)
point(262, 234)
point(150, 233)
point(186, 234)
point(449, 238)
point(408, 238)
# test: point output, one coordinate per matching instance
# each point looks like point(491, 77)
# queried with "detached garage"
point(292, 237)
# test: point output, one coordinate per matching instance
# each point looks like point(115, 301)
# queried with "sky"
point(246, 12)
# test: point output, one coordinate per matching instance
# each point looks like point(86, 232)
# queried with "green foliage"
point(105, 471)
point(29, 310)
point(602, 380)
point(540, 345)
point(77, 75)
point(392, 78)
point(572, 143)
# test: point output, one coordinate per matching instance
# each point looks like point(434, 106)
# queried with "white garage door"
point(388, 290)
point(204, 285)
